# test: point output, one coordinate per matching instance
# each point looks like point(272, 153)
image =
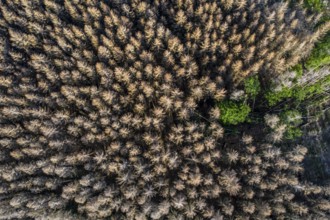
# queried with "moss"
point(233, 113)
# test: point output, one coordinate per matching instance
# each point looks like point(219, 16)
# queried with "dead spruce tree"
point(107, 110)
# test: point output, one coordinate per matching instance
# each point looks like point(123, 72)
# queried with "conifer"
point(108, 110)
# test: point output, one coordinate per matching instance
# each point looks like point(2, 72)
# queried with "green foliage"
point(298, 69)
point(292, 119)
point(275, 97)
point(292, 133)
point(301, 93)
point(233, 113)
point(297, 93)
point(320, 55)
point(252, 86)
point(315, 5)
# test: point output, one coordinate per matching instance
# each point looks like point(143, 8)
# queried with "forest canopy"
point(158, 109)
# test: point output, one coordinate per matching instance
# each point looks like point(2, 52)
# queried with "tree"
point(233, 113)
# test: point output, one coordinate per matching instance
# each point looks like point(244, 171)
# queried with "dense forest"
point(165, 109)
